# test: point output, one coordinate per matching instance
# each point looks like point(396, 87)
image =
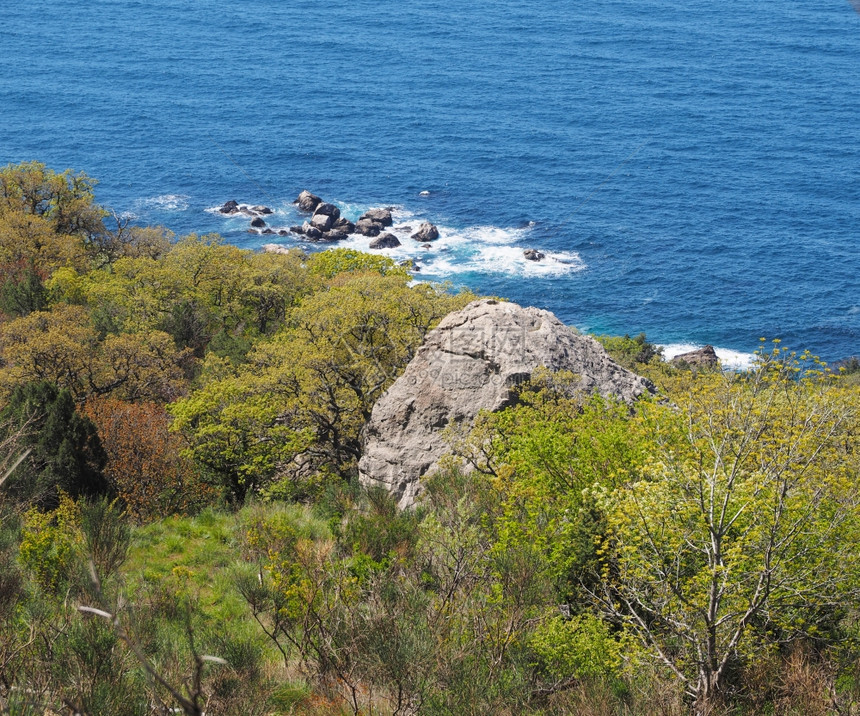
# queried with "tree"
point(743, 530)
point(65, 452)
point(296, 408)
point(144, 462)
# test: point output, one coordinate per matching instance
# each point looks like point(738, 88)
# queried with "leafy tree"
point(65, 455)
point(62, 347)
point(298, 406)
point(144, 462)
point(22, 294)
point(743, 530)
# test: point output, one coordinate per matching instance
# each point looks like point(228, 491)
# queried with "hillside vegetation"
point(182, 531)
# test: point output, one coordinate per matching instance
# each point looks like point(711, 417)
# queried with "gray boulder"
point(307, 201)
point(385, 241)
point(329, 210)
point(334, 235)
point(262, 210)
point(258, 223)
point(380, 216)
point(298, 229)
point(705, 357)
point(426, 232)
point(534, 255)
point(471, 362)
point(321, 222)
point(312, 232)
point(344, 225)
point(230, 207)
point(366, 227)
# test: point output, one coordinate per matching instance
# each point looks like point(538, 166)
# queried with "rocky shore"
point(325, 224)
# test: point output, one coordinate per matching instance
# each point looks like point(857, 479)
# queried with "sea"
point(691, 170)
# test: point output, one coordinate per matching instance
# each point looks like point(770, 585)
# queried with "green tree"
point(66, 454)
point(743, 530)
point(297, 407)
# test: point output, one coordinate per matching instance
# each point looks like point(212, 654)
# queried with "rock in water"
point(230, 207)
point(385, 241)
point(321, 221)
point(470, 362)
point(307, 201)
point(366, 227)
point(344, 225)
point(534, 255)
point(258, 223)
point(426, 232)
point(380, 216)
point(329, 210)
point(705, 357)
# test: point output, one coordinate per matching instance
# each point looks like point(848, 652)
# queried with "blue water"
point(692, 169)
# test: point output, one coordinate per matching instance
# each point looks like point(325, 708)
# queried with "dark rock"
point(405, 229)
point(385, 241)
point(472, 361)
point(307, 201)
point(261, 210)
point(321, 221)
point(283, 232)
point(297, 229)
point(705, 357)
point(426, 246)
point(312, 232)
point(230, 207)
point(533, 255)
point(334, 235)
point(257, 222)
point(344, 225)
point(426, 232)
point(267, 231)
point(366, 227)
point(380, 216)
point(329, 210)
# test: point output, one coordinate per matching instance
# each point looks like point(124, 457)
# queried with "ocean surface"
point(691, 170)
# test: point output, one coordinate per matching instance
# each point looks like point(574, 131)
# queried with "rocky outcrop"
point(366, 227)
point(473, 361)
point(258, 223)
point(344, 225)
point(705, 357)
point(329, 210)
point(230, 207)
point(307, 201)
point(321, 221)
point(426, 232)
point(378, 216)
point(385, 241)
point(534, 255)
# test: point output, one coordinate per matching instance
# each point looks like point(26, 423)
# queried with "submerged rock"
point(533, 255)
point(473, 361)
point(307, 201)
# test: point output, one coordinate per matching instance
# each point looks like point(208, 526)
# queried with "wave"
point(730, 359)
point(163, 202)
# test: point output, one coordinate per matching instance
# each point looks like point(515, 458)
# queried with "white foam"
point(729, 359)
point(165, 202)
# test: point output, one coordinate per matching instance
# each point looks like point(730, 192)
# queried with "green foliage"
point(50, 544)
point(293, 413)
point(65, 452)
point(631, 352)
point(333, 262)
point(580, 647)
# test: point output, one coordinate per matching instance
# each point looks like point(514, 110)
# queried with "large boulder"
point(329, 210)
point(379, 216)
point(344, 225)
point(426, 232)
point(534, 255)
point(321, 222)
point(366, 227)
point(473, 361)
point(230, 207)
point(258, 223)
point(307, 201)
point(705, 357)
point(385, 241)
